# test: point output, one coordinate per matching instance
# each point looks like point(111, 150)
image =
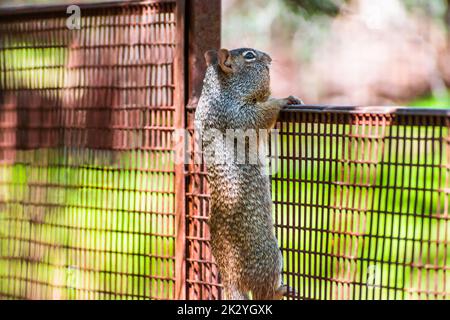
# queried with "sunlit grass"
point(85, 231)
point(433, 101)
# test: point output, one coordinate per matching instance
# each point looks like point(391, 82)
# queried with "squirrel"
point(236, 95)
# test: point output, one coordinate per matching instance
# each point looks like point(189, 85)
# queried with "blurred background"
point(359, 52)
point(349, 51)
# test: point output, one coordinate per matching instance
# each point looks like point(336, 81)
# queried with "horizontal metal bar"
point(62, 7)
point(394, 110)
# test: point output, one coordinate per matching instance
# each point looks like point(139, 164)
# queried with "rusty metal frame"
point(383, 110)
point(202, 279)
point(180, 124)
point(50, 9)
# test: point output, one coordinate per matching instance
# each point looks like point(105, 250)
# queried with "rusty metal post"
point(198, 30)
point(180, 174)
point(203, 21)
point(203, 34)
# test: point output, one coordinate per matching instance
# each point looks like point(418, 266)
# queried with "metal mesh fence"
point(202, 276)
point(87, 185)
point(360, 205)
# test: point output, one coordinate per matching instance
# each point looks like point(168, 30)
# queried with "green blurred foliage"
point(433, 101)
point(435, 8)
point(313, 7)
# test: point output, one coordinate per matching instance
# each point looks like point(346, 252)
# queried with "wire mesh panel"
point(87, 184)
point(202, 275)
point(361, 204)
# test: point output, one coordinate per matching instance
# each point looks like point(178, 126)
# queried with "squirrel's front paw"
point(291, 100)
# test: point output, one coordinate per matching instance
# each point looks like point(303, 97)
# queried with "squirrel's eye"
point(249, 55)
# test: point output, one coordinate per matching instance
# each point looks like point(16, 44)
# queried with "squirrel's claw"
point(283, 291)
point(291, 100)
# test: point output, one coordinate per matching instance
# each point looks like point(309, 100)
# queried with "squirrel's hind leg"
point(281, 292)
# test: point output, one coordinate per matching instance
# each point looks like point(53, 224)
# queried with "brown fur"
point(236, 96)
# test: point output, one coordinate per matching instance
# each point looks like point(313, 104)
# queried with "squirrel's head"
point(243, 71)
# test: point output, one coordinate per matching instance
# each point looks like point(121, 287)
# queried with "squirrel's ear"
point(210, 57)
point(224, 60)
